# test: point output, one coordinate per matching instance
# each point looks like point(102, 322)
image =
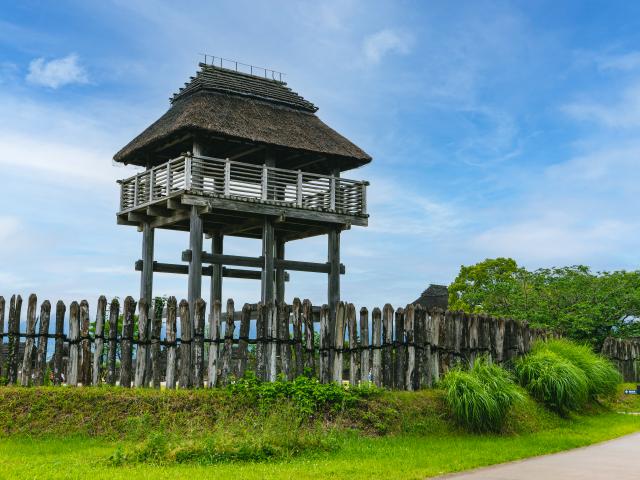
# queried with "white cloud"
point(384, 42)
point(625, 62)
point(57, 72)
point(624, 112)
point(9, 227)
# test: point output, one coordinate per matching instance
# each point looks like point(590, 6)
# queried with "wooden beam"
point(175, 268)
point(158, 211)
point(146, 278)
point(179, 216)
point(176, 204)
point(236, 156)
point(267, 262)
point(137, 217)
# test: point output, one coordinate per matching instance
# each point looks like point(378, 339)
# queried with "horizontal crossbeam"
point(206, 271)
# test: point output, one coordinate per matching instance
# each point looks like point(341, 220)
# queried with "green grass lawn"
point(422, 442)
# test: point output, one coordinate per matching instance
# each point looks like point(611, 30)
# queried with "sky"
point(496, 129)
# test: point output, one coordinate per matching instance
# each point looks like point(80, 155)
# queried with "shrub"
point(553, 380)
point(480, 398)
point(602, 377)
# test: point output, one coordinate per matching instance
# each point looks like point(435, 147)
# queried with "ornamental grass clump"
point(602, 377)
point(480, 398)
point(553, 380)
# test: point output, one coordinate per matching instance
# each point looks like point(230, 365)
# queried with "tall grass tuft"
point(553, 380)
point(602, 376)
point(480, 398)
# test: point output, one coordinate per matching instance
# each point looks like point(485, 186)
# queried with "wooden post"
point(437, 316)
point(376, 338)
point(217, 241)
point(99, 340)
point(227, 353)
point(284, 347)
point(387, 346)
point(2, 307)
point(354, 351)
point(156, 330)
point(114, 315)
point(261, 347)
point(85, 344)
point(146, 277)
point(170, 377)
point(272, 334)
point(280, 270)
point(338, 342)
point(243, 340)
point(198, 344)
point(410, 370)
point(186, 337)
point(296, 318)
point(27, 357)
point(43, 340)
point(268, 267)
point(334, 272)
point(325, 344)
point(126, 341)
point(15, 309)
point(195, 264)
point(141, 352)
point(59, 343)
point(401, 350)
point(309, 357)
point(214, 336)
point(74, 353)
point(365, 368)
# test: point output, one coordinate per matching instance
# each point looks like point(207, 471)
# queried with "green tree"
point(574, 301)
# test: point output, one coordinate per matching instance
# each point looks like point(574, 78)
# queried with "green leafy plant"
point(553, 380)
point(480, 398)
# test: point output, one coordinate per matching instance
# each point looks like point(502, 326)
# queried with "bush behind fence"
point(143, 345)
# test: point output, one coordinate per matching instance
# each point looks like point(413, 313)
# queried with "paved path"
point(617, 459)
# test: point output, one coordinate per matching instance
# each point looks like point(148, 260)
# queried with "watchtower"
point(240, 154)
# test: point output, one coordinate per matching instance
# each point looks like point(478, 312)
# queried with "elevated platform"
point(233, 198)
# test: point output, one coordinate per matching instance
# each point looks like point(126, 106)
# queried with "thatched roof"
point(224, 103)
point(434, 296)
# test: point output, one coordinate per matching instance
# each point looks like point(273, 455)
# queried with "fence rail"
point(404, 348)
point(231, 179)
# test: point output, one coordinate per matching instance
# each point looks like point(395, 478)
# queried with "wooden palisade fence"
point(141, 345)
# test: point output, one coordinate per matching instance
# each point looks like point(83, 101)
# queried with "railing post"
point(152, 180)
point(187, 172)
point(299, 189)
point(135, 190)
point(227, 177)
point(332, 193)
point(363, 191)
point(265, 178)
point(168, 186)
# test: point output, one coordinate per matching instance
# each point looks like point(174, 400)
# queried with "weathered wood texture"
point(625, 354)
point(403, 348)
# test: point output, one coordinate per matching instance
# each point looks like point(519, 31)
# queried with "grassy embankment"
point(109, 433)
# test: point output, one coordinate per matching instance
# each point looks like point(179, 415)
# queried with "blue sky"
point(496, 128)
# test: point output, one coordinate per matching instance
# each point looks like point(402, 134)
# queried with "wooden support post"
point(387, 346)
point(354, 351)
point(243, 344)
point(85, 344)
point(59, 343)
point(410, 368)
point(272, 334)
point(401, 351)
point(280, 298)
point(114, 314)
point(227, 352)
point(217, 240)
point(15, 308)
point(309, 354)
point(284, 347)
point(146, 277)
point(261, 347)
point(268, 265)
point(195, 264)
point(338, 342)
point(141, 352)
point(74, 334)
point(334, 271)
point(214, 336)
point(325, 345)
point(376, 340)
point(170, 377)
point(186, 336)
point(99, 340)
point(296, 318)
point(198, 344)
point(126, 342)
point(156, 330)
point(27, 357)
point(43, 340)
point(365, 368)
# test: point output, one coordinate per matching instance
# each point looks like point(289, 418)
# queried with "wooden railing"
point(230, 179)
